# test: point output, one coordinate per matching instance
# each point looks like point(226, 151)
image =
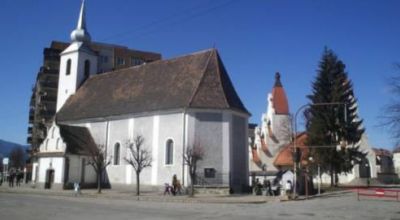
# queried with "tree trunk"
point(137, 184)
point(99, 182)
point(331, 173)
point(191, 193)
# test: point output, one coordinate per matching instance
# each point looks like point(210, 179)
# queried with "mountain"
point(6, 147)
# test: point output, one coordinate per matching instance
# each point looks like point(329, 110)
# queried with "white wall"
point(396, 163)
point(55, 163)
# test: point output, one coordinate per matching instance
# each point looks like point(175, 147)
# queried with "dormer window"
point(68, 68)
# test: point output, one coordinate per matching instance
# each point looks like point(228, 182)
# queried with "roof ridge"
point(220, 80)
point(201, 80)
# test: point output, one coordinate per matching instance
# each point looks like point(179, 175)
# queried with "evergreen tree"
point(332, 125)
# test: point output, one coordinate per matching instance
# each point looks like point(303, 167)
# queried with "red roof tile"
point(285, 157)
point(279, 99)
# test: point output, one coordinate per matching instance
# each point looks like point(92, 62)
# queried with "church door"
point(49, 179)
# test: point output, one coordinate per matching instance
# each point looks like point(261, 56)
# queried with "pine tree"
point(332, 125)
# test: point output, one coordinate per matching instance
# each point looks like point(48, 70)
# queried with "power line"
point(173, 19)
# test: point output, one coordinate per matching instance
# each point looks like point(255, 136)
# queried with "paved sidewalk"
point(154, 196)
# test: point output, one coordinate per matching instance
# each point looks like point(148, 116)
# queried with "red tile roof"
point(285, 157)
point(279, 99)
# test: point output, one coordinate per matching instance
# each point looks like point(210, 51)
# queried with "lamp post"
point(295, 149)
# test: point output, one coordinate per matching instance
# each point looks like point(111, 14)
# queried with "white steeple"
point(77, 62)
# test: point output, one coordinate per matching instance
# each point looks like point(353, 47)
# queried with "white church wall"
point(144, 126)
point(54, 163)
point(208, 132)
point(170, 128)
point(75, 170)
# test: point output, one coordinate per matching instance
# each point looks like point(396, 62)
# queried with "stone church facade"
point(173, 104)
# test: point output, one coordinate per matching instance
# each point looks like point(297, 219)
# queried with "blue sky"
point(255, 39)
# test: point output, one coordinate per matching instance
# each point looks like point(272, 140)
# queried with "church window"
point(87, 69)
point(46, 145)
point(120, 61)
point(68, 70)
point(58, 143)
point(169, 152)
point(116, 154)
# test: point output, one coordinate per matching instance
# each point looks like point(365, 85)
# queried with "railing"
point(378, 192)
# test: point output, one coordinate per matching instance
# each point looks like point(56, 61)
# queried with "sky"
point(255, 39)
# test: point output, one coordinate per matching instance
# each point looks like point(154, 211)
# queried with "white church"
point(172, 103)
point(271, 144)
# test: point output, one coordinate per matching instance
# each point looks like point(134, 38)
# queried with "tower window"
point(87, 69)
point(116, 154)
point(68, 69)
point(169, 152)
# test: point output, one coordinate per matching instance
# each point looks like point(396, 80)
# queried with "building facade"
point(272, 144)
point(45, 90)
point(173, 104)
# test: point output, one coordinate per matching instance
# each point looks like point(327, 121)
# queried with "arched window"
point(46, 145)
point(58, 143)
point(87, 69)
point(116, 153)
point(68, 68)
point(169, 152)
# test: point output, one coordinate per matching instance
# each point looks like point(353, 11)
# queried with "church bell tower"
point(77, 63)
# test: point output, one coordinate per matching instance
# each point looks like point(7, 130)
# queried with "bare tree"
point(17, 157)
point(391, 118)
point(99, 161)
point(140, 158)
point(192, 155)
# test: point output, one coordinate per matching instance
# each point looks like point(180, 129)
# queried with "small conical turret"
point(80, 34)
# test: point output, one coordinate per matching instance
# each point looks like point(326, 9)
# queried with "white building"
point(396, 161)
point(271, 146)
point(172, 103)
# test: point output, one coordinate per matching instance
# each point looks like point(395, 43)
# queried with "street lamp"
point(295, 149)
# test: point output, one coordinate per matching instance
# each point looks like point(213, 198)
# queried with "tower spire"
point(80, 34)
point(82, 17)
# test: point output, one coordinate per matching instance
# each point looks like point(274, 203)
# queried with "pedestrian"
point(268, 189)
point(288, 187)
point(174, 184)
point(77, 189)
point(11, 178)
point(167, 189)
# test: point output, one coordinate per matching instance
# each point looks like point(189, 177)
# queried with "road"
point(343, 206)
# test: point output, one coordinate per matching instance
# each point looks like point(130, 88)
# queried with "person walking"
point(174, 184)
point(77, 189)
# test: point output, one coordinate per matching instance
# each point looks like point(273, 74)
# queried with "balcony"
point(29, 140)
point(48, 98)
point(31, 119)
point(49, 85)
